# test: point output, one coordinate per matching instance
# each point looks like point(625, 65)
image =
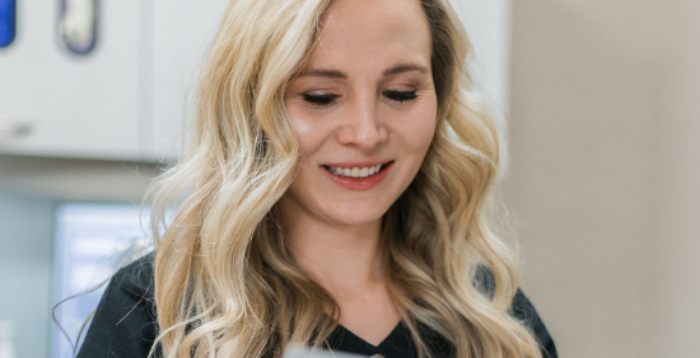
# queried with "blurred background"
point(600, 101)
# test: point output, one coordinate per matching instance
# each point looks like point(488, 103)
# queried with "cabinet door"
point(18, 80)
point(76, 105)
point(183, 30)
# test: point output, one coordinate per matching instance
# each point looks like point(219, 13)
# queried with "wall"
point(605, 161)
point(25, 252)
point(676, 280)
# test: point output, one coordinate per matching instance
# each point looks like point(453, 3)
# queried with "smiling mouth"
point(357, 172)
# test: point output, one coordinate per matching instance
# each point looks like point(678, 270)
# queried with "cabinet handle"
point(78, 24)
point(11, 129)
point(8, 22)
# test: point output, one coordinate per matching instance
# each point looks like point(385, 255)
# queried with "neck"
point(345, 260)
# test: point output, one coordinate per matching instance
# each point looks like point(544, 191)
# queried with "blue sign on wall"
point(8, 26)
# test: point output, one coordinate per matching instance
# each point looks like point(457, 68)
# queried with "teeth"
point(356, 172)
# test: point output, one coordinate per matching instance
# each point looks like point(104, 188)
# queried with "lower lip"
point(362, 183)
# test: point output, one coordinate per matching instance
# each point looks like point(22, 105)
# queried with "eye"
point(401, 96)
point(319, 100)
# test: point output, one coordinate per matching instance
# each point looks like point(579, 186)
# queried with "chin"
point(357, 217)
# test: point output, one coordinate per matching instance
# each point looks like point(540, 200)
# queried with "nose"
point(363, 127)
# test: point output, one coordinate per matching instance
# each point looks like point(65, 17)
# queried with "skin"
point(332, 231)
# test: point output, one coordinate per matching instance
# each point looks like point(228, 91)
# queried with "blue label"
point(7, 22)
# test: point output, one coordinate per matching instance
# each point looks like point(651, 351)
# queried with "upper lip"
point(358, 164)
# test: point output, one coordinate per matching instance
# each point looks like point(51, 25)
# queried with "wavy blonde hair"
point(226, 284)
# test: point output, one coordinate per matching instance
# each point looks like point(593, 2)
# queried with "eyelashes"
point(327, 99)
point(319, 99)
point(401, 96)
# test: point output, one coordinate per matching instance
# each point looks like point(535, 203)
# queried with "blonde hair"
point(225, 282)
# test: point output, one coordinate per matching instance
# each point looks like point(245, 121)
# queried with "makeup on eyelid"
point(324, 96)
point(326, 99)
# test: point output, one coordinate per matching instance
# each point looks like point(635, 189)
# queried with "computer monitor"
point(91, 242)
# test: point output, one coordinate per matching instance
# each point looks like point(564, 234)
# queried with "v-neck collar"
point(359, 340)
point(397, 344)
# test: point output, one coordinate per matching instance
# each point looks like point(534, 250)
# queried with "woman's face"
point(364, 99)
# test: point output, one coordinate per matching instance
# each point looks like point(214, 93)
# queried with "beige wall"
point(605, 151)
point(676, 294)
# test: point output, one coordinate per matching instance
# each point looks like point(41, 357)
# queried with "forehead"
point(376, 32)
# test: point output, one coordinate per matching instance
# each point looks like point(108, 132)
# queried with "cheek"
point(417, 128)
point(309, 129)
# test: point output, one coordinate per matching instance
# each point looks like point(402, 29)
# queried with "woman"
point(337, 187)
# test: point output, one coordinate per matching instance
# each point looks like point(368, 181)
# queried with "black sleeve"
point(124, 324)
point(524, 311)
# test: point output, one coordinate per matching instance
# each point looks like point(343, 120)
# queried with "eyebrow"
point(405, 67)
point(322, 72)
point(398, 69)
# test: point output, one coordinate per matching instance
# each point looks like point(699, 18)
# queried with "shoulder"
point(521, 309)
point(132, 288)
point(136, 278)
point(124, 323)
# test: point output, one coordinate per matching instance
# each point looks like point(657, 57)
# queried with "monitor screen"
point(92, 241)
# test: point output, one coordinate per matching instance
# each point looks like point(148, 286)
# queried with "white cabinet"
point(18, 79)
point(73, 106)
point(183, 30)
point(127, 99)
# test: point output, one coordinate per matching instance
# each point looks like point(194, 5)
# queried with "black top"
point(124, 324)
